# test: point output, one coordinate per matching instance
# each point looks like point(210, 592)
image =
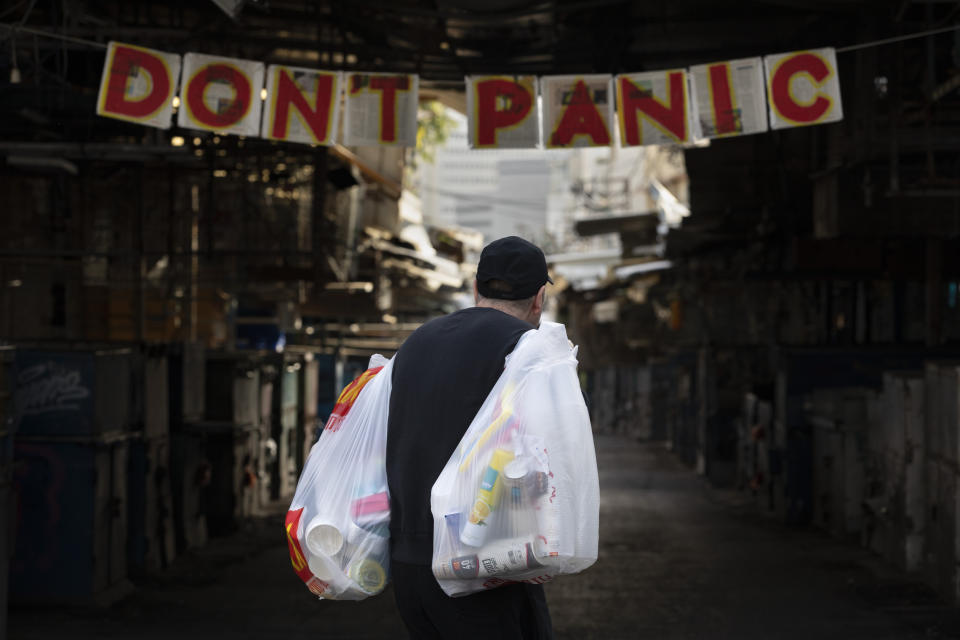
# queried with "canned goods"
point(369, 575)
point(504, 557)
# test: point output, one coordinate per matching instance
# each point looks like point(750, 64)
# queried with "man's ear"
point(538, 299)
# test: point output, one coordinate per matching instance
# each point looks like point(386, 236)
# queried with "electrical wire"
point(854, 47)
point(14, 29)
point(909, 36)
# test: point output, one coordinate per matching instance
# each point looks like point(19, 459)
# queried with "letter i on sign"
point(729, 98)
point(722, 100)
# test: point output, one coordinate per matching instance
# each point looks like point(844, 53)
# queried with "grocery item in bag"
point(338, 522)
point(519, 498)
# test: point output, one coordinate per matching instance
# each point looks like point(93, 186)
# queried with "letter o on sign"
point(231, 111)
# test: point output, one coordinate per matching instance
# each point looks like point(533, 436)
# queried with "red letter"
point(635, 102)
point(234, 111)
point(785, 105)
point(580, 117)
point(388, 87)
point(288, 94)
point(126, 62)
point(721, 99)
point(514, 102)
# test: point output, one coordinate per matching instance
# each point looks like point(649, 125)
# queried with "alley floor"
point(678, 560)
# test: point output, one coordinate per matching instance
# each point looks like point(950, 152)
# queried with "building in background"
point(540, 194)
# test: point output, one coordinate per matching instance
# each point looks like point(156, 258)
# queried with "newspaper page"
point(380, 109)
point(729, 98)
point(138, 85)
point(502, 112)
point(221, 94)
point(577, 111)
point(803, 88)
point(302, 105)
point(654, 108)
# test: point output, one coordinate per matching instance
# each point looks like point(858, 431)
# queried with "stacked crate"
point(6, 476)
point(895, 500)
point(283, 388)
point(756, 460)
point(152, 544)
point(942, 426)
point(309, 392)
point(230, 442)
point(71, 452)
point(840, 419)
point(189, 473)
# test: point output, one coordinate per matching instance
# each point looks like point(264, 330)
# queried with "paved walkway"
point(677, 561)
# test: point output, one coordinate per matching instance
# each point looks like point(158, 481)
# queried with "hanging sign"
point(502, 112)
point(380, 109)
point(803, 88)
point(729, 98)
point(221, 94)
point(577, 111)
point(302, 105)
point(653, 108)
point(675, 106)
point(138, 85)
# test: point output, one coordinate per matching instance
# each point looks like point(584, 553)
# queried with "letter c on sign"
point(785, 104)
point(233, 112)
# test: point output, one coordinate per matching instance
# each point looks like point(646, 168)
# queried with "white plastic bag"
point(337, 525)
point(519, 499)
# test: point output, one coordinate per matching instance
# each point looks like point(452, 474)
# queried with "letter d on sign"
point(138, 85)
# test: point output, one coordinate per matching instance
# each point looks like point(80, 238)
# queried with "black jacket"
point(441, 376)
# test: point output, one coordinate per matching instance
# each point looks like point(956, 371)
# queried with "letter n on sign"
point(302, 105)
point(803, 88)
point(654, 108)
point(138, 85)
point(221, 94)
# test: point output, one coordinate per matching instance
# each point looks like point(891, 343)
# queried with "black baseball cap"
point(519, 264)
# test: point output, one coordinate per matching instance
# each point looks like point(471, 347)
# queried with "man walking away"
point(441, 376)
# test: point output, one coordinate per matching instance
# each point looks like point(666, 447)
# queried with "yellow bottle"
point(488, 496)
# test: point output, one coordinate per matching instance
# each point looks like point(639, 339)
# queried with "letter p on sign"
point(803, 88)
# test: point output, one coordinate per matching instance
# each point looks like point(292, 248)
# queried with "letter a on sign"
point(653, 108)
point(221, 94)
point(138, 85)
point(577, 111)
point(380, 109)
point(803, 88)
point(729, 98)
point(302, 105)
point(502, 112)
